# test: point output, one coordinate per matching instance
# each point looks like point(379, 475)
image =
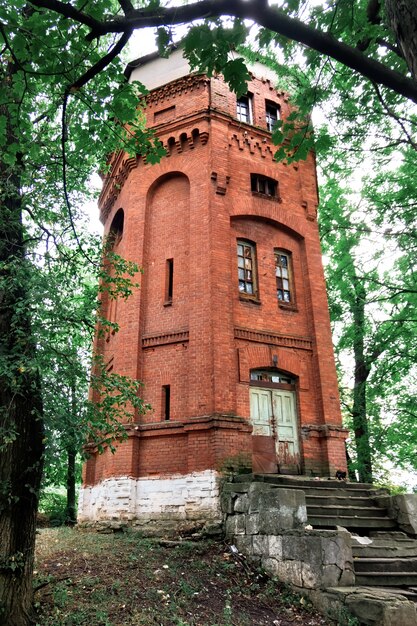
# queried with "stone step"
point(390, 535)
point(339, 500)
point(345, 511)
point(387, 579)
point(349, 522)
point(385, 565)
point(409, 592)
point(304, 481)
point(334, 492)
point(400, 550)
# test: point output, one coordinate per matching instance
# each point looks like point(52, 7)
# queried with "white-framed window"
point(246, 268)
point(284, 277)
point(272, 114)
point(244, 109)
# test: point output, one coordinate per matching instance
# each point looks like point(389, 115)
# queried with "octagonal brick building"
point(229, 331)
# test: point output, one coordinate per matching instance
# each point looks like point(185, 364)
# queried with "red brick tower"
point(230, 329)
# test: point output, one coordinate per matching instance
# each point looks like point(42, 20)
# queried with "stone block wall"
point(269, 525)
point(403, 509)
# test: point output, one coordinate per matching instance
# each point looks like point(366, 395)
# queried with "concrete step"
point(387, 579)
point(345, 511)
point(385, 565)
point(351, 522)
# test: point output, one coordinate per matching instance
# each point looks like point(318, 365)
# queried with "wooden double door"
point(274, 416)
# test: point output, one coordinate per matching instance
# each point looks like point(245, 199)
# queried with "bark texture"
point(362, 371)
point(21, 426)
point(402, 15)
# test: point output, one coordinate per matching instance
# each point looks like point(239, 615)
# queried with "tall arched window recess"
point(116, 229)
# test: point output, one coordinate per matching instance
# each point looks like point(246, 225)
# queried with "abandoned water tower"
point(230, 329)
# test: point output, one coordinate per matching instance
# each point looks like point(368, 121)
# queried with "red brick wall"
point(192, 207)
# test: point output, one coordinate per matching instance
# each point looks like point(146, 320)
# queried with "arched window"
point(116, 228)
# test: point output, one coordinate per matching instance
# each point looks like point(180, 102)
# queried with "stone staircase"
point(332, 503)
point(383, 556)
point(390, 561)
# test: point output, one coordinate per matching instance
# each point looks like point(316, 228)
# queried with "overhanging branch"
point(269, 17)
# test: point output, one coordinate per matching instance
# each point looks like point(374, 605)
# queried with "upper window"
point(264, 185)
point(283, 275)
point(272, 114)
point(272, 376)
point(246, 268)
point(244, 109)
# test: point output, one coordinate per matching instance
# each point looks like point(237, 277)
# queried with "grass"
point(86, 578)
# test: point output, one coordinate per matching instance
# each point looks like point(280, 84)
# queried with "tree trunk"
point(402, 15)
point(362, 370)
point(71, 513)
point(21, 426)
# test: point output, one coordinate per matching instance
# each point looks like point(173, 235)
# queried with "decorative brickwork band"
point(301, 343)
point(166, 338)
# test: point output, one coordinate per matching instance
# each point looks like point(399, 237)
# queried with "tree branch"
point(102, 63)
point(127, 6)
point(67, 10)
point(266, 16)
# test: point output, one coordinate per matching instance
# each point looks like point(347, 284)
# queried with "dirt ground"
point(123, 579)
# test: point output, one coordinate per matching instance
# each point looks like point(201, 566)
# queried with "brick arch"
point(258, 357)
point(276, 216)
point(163, 178)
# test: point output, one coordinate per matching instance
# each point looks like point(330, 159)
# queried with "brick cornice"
point(176, 88)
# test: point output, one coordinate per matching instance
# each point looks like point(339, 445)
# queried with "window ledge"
point(288, 306)
point(168, 303)
point(266, 196)
point(249, 299)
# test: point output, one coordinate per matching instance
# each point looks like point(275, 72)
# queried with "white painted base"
point(191, 497)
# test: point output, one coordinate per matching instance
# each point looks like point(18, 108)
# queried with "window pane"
point(241, 262)
point(248, 252)
point(249, 288)
point(283, 260)
point(241, 274)
point(286, 296)
point(284, 272)
point(285, 284)
point(280, 294)
point(241, 285)
point(240, 250)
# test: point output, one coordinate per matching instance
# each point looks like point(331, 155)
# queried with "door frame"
point(269, 385)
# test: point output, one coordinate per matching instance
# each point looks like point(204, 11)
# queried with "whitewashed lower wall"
point(182, 497)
